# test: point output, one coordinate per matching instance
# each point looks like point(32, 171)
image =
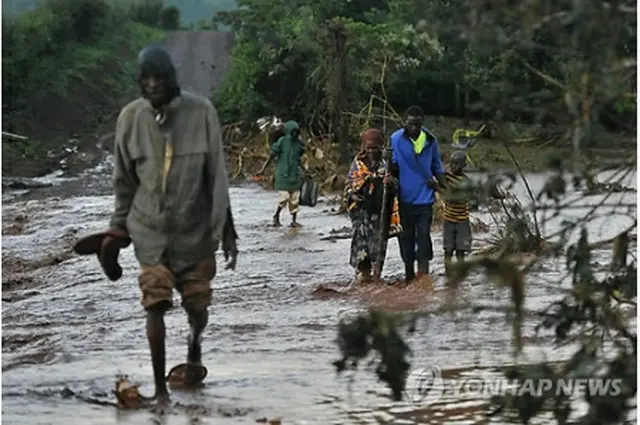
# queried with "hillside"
point(63, 89)
point(74, 109)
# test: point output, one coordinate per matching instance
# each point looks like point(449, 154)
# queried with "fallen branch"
point(14, 136)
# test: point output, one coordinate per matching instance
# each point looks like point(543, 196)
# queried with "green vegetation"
point(170, 18)
point(335, 65)
point(69, 65)
point(64, 42)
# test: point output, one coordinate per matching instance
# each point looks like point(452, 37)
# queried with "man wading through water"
point(288, 150)
point(417, 164)
point(172, 201)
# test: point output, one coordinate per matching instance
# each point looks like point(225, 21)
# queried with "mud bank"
point(270, 340)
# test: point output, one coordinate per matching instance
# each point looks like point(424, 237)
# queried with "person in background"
point(288, 150)
point(417, 166)
point(363, 196)
point(456, 227)
point(172, 201)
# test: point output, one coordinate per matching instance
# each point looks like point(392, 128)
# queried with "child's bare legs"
point(448, 257)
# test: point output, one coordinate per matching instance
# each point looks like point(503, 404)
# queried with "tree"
point(170, 18)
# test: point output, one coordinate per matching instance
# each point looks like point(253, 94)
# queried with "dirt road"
point(202, 58)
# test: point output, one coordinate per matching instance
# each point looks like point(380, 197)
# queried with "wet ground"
point(67, 331)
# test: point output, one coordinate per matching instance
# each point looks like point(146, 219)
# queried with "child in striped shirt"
point(457, 228)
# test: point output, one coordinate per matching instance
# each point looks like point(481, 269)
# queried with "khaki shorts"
point(194, 285)
point(291, 198)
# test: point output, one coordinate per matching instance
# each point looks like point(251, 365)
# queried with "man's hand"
point(432, 183)
point(436, 183)
point(230, 250)
point(388, 179)
point(357, 197)
point(229, 244)
point(231, 256)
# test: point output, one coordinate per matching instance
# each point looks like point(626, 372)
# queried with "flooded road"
point(269, 343)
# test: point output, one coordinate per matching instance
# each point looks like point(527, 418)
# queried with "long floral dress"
point(365, 180)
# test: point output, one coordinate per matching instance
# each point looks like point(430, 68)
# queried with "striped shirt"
point(455, 210)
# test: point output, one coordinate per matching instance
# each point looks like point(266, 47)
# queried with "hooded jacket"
point(154, 59)
point(288, 151)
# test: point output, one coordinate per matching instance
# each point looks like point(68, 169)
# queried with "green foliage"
point(433, 53)
point(62, 41)
point(27, 150)
point(239, 97)
point(376, 332)
point(170, 18)
point(204, 25)
point(290, 55)
point(146, 11)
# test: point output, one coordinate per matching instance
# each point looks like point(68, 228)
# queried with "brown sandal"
point(186, 375)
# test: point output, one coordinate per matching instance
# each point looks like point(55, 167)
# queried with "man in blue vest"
point(417, 166)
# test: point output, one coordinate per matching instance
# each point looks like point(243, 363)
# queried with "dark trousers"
point(416, 230)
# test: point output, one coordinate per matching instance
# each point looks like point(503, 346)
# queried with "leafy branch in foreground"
point(376, 332)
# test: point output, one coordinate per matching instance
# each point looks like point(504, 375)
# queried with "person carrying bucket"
point(288, 150)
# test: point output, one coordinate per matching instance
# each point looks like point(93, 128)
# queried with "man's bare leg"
point(156, 337)
point(198, 321)
point(276, 217)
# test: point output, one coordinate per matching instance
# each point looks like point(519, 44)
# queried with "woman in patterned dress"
point(363, 198)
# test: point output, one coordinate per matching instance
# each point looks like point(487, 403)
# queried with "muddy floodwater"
point(67, 331)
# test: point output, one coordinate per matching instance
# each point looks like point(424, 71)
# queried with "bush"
point(50, 31)
point(44, 32)
point(79, 20)
point(146, 11)
point(170, 18)
point(204, 25)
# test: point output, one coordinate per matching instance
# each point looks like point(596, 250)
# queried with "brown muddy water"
point(67, 331)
